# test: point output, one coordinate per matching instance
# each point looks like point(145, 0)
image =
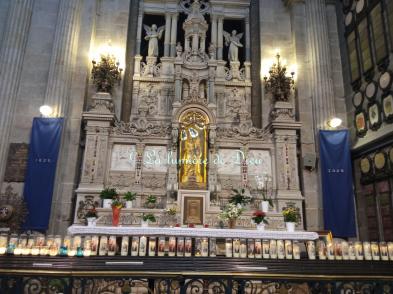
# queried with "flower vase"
point(106, 203)
point(290, 226)
point(261, 227)
point(115, 216)
point(232, 223)
point(265, 206)
point(91, 221)
point(144, 224)
point(128, 204)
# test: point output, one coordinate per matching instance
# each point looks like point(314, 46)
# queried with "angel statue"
point(233, 41)
point(153, 35)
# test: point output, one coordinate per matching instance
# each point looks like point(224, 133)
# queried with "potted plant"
point(240, 197)
point(171, 212)
point(151, 201)
point(291, 217)
point(117, 205)
point(107, 195)
point(266, 202)
point(129, 197)
point(91, 217)
point(258, 218)
point(230, 213)
point(146, 218)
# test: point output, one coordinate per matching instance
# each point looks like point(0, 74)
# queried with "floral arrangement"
point(239, 197)
point(171, 211)
point(116, 202)
point(290, 214)
point(259, 217)
point(91, 213)
point(129, 196)
point(108, 193)
point(231, 211)
point(149, 217)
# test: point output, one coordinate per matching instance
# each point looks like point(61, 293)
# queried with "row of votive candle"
point(343, 250)
point(187, 246)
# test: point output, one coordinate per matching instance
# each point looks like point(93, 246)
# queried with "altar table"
point(191, 232)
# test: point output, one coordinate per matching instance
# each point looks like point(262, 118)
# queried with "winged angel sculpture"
point(233, 41)
point(153, 35)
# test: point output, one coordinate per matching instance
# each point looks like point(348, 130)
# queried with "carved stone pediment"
point(141, 127)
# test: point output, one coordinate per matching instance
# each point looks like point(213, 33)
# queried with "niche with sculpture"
point(193, 150)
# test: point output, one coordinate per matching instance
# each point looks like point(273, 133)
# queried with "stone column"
point(12, 52)
point(126, 104)
point(304, 87)
point(320, 60)
point(248, 39)
point(63, 57)
point(220, 37)
point(139, 30)
point(214, 32)
point(167, 34)
point(174, 34)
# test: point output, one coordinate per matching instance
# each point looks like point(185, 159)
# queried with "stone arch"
point(194, 107)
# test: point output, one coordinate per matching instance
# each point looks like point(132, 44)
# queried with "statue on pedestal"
point(153, 35)
point(233, 41)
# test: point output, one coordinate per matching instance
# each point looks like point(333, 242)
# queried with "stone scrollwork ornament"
point(13, 210)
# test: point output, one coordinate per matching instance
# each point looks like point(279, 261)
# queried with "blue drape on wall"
point(336, 172)
point(41, 170)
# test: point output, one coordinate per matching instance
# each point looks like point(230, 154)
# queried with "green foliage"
point(291, 215)
point(129, 196)
point(108, 193)
point(149, 217)
point(151, 199)
point(239, 197)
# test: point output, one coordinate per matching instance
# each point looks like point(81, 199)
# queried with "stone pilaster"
point(284, 129)
point(98, 122)
point(12, 52)
point(320, 59)
point(63, 57)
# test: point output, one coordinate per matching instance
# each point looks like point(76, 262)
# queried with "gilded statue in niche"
point(193, 136)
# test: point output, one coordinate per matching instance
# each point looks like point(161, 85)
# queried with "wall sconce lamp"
point(279, 84)
point(46, 110)
point(334, 122)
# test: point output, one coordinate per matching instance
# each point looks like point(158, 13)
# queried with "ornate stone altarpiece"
point(190, 77)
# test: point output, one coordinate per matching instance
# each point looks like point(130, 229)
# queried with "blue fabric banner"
point(41, 171)
point(336, 172)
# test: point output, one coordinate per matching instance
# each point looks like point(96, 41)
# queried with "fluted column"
point(319, 52)
point(220, 37)
point(63, 57)
point(12, 52)
point(174, 34)
point(167, 34)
